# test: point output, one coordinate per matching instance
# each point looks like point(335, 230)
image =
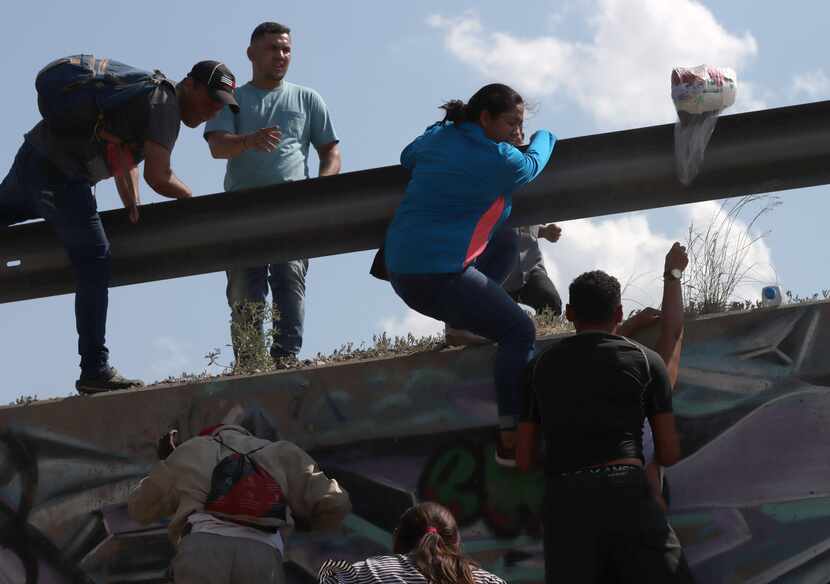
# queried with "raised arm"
point(523, 167)
point(670, 341)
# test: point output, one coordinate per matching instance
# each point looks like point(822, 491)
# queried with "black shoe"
point(109, 380)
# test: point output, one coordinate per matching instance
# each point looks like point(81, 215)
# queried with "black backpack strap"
point(235, 451)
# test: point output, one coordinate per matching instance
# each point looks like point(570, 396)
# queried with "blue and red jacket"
point(459, 193)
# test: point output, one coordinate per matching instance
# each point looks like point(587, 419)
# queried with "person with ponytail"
point(448, 250)
point(427, 549)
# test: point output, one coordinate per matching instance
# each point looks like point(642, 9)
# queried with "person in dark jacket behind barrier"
point(447, 249)
point(529, 282)
point(427, 550)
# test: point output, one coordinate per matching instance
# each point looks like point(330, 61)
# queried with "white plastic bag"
point(703, 89)
point(699, 95)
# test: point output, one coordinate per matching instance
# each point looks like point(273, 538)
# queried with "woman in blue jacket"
point(447, 252)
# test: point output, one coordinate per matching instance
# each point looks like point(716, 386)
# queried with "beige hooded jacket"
point(179, 485)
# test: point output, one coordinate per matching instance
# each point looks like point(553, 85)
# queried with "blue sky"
point(383, 68)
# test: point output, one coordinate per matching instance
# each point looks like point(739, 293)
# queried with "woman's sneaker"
point(460, 337)
point(109, 380)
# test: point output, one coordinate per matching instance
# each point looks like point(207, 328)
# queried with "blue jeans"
point(34, 188)
point(475, 300)
point(287, 281)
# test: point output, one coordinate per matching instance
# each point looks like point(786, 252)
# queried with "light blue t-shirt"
point(302, 117)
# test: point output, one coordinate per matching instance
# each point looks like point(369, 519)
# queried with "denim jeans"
point(287, 281)
point(34, 188)
point(475, 300)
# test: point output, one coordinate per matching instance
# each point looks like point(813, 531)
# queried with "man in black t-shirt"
point(53, 175)
point(591, 393)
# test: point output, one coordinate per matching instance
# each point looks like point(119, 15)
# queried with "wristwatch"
point(673, 274)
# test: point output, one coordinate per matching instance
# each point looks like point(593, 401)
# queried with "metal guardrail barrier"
point(757, 152)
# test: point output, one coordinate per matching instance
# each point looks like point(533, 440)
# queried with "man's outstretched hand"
point(677, 258)
point(552, 232)
point(643, 319)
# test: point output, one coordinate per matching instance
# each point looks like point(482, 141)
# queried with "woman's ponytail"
point(495, 98)
point(456, 111)
point(429, 534)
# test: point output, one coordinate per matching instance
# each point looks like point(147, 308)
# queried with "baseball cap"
point(218, 79)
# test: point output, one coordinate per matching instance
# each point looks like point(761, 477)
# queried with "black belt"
point(598, 470)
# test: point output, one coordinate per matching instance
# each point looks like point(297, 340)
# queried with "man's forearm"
point(330, 164)
point(672, 307)
point(127, 186)
point(170, 187)
point(227, 145)
point(671, 328)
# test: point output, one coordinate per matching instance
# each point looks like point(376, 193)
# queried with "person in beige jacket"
point(216, 548)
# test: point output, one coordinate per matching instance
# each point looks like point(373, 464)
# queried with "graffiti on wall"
point(751, 500)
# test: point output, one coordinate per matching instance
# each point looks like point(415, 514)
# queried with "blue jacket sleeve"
point(408, 155)
point(523, 167)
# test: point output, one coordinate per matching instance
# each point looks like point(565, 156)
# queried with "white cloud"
point(627, 247)
point(169, 356)
point(411, 322)
point(621, 76)
point(812, 85)
point(758, 259)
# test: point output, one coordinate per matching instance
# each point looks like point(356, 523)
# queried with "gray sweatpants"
point(204, 558)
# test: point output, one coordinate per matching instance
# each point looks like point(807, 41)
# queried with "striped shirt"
point(397, 569)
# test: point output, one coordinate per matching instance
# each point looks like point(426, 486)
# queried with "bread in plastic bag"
point(699, 95)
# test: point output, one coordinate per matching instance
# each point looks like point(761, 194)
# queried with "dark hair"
point(429, 533)
point(495, 98)
point(594, 296)
point(269, 28)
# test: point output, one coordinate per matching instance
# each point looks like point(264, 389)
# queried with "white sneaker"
point(460, 337)
point(529, 310)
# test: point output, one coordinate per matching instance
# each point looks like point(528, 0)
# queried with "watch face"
point(676, 274)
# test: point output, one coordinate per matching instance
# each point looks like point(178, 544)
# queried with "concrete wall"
point(750, 501)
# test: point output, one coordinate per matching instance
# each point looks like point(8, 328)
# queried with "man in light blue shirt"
point(267, 143)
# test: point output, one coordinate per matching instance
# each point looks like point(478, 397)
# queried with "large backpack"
point(244, 492)
point(75, 93)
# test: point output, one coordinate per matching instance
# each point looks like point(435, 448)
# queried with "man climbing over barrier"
point(100, 119)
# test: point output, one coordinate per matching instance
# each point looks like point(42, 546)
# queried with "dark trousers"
point(603, 525)
point(475, 300)
point(539, 292)
point(33, 189)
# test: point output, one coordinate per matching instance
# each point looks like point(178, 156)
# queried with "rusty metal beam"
point(757, 152)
